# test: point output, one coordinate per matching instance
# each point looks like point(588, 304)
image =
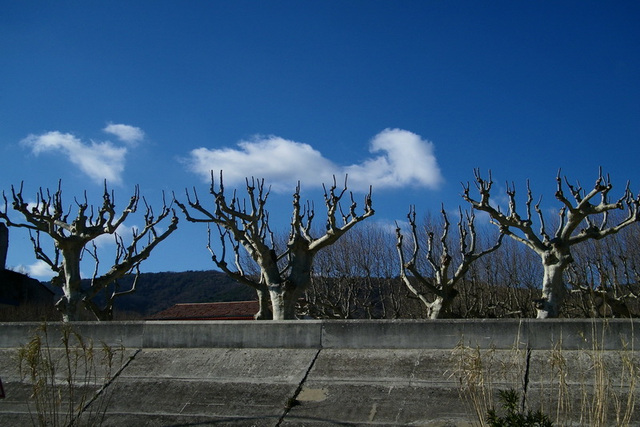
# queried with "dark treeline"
point(358, 278)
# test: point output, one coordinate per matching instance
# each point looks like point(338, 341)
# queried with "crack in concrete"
point(293, 401)
point(106, 385)
point(525, 380)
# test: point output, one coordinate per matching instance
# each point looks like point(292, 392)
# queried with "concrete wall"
point(358, 334)
point(351, 373)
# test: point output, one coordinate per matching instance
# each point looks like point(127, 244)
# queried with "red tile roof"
point(237, 310)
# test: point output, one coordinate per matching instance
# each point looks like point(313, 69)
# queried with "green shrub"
point(512, 417)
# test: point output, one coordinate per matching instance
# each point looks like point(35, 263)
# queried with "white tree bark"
point(72, 287)
point(71, 238)
point(554, 289)
point(554, 249)
point(442, 286)
point(285, 275)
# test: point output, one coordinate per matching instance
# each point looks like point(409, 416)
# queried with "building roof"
point(236, 310)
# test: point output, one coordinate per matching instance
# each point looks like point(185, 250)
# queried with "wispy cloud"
point(125, 133)
point(98, 160)
point(402, 158)
point(38, 269)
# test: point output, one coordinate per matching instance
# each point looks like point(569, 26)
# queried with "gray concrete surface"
point(356, 373)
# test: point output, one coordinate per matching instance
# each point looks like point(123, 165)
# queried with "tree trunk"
point(72, 287)
point(283, 302)
point(284, 295)
point(553, 287)
point(435, 308)
point(265, 305)
point(442, 303)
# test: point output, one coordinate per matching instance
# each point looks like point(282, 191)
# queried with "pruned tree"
point(283, 274)
point(70, 237)
point(437, 293)
point(583, 219)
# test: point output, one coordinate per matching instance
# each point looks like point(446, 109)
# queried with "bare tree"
point(283, 276)
point(501, 284)
point(604, 277)
point(47, 216)
point(554, 249)
point(441, 288)
point(354, 278)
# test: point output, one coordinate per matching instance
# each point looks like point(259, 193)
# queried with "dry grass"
point(67, 378)
point(592, 387)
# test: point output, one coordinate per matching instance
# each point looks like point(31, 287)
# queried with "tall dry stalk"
point(558, 384)
point(67, 380)
point(608, 400)
point(628, 380)
point(473, 371)
point(595, 387)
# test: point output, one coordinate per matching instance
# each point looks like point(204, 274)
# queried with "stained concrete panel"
point(404, 373)
point(235, 334)
point(215, 385)
point(379, 387)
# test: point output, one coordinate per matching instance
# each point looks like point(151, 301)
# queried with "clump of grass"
point(68, 379)
point(478, 371)
point(512, 416)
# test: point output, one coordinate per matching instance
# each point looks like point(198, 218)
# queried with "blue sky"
point(408, 96)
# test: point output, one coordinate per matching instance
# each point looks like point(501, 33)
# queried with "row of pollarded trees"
point(358, 277)
point(284, 275)
point(282, 271)
point(585, 215)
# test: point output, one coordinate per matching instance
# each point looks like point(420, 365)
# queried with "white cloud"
point(281, 162)
point(98, 160)
point(108, 239)
point(38, 270)
point(406, 159)
point(389, 227)
point(129, 134)
point(403, 159)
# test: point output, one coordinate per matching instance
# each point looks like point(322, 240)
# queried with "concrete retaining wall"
point(351, 373)
point(357, 334)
